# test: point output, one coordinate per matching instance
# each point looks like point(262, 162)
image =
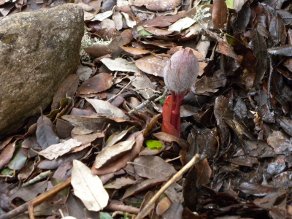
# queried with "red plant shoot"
point(179, 73)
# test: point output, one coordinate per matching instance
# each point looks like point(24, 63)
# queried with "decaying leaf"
point(153, 167)
point(45, 133)
point(105, 108)
point(88, 187)
point(66, 89)
point(96, 84)
point(115, 137)
point(142, 186)
point(56, 150)
point(112, 152)
point(156, 5)
point(7, 154)
point(119, 64)
point(152, 64)
point(125, 158)
point(219, 13)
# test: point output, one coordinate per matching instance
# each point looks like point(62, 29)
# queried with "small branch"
point(121, 91)
point(114, 206)
point(36, 201)
point(42, 198)
point(147, 208)
point(146, 102)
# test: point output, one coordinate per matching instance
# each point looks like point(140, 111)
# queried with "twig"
point(43, 197)
point(114, 206)
point(146, 102)
point(36, 201)
point(147, 208)
point(121, 91)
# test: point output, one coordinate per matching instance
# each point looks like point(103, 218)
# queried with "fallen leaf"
point(143, 84)
point(88, 187)
point(111, 152)
point(105, 108)
point(119, 183)
point(163, 205)
point(152, 64)
point(135, 51)
point(7, 153)
point(19, 160)
point(115, 137)
point(102, 16)
point(119, 64)
point(44, 133)
point(181, 24)
point(124, 159)
point(157, 5)
point(153, 167)
point(96, 84)
point(130, 23)
point(66, 89)
point(84, 72)
point(141, 186)
point(56, 150)
point(219, 13)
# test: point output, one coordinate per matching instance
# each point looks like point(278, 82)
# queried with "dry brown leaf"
point(135, 51)
point(181, 24)
point(141, 186)
point(219, 13)
point(203, 172)
point(112, 152)
point(96, 84)
point(153, 167)
point(162, 21)
point(170, 138)
point(7, 154)
point(102, 16)
point(66, 89)
point(130, 23)
point(118, 19)
point(143, 85)
point(105, 108)
point(157, 31)
point(152, 64)
point(92, 123)
point(157, 5)
point(88, 187)
point(84, 72)
point(115, 137)
point(88, 138)
point(56, 150)
point(163, 205)
point(119, 183)
point(124, 159)
point(119, 64)
point(44, 133)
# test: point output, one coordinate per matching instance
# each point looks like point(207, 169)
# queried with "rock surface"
point(37, 51)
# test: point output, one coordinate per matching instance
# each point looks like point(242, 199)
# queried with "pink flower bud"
point(181, 71)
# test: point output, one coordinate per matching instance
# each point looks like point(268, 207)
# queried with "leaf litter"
point(236, 115)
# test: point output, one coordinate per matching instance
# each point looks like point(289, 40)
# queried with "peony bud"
point(181, 71)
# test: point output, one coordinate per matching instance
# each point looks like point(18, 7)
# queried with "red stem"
point(175, 110)
point(171, 114)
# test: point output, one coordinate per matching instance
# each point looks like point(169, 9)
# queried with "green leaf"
point(104, 215)
point(154, 144)
point(230, 4)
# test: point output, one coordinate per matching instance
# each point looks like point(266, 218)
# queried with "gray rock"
point(37, 51)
